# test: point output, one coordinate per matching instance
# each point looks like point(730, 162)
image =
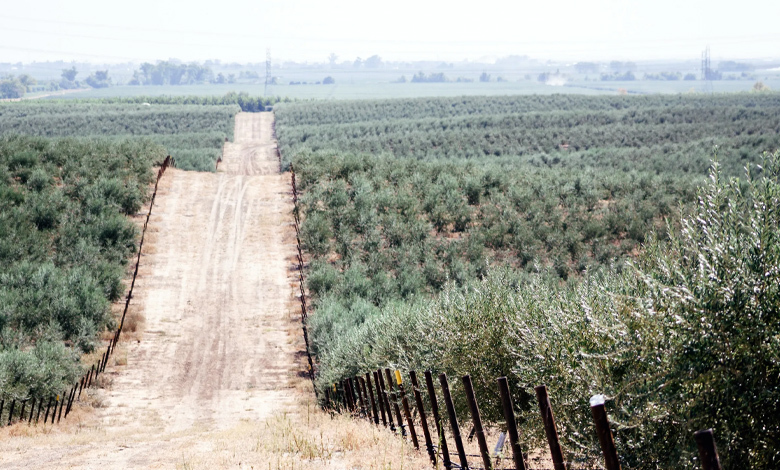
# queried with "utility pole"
point(268, 77)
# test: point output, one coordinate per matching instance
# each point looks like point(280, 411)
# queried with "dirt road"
point(215, 288)
point(214, 376)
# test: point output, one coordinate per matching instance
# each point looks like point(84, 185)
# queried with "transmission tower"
point(706, 69)
point(267, 71)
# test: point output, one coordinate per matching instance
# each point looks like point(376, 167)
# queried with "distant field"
point(348, 88)
point(193, 134)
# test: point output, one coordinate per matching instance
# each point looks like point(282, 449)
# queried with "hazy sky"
point(241, 30)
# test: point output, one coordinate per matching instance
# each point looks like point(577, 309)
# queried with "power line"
point(130, 40)
point(129, 28)
point(653, 41)
point(48, 51)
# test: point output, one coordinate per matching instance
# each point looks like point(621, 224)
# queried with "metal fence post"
point(48, 407)
point(386, 399)
point(11, 411)
point(405, 403)
point(445, 452)
point(599, 412)
point(392, 394)
point(356, 381)
point(445, 391)
point(477, 420)
point(371, 395)
point(549, 427)
point(708, 453)
point(423, 419)
point(511, 423)
point(380, 399)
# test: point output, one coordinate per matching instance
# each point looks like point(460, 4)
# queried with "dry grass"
point(134, 322)
point(306, 439)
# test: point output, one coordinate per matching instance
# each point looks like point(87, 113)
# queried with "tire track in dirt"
point(219, 344)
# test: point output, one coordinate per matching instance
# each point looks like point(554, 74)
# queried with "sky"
point(309, 30)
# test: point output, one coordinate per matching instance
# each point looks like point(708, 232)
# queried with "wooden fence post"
point(445, 391)
point(477, 420)
point(511, 423)
point(549, 427)
point(599, 412)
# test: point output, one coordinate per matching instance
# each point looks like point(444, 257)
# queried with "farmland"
point(193, 133)
point(65, 240)
point(584, 242)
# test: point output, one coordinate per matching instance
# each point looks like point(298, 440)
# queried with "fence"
point(59, 404)
point(360, 397)
point(299, 255)
point(379, 401)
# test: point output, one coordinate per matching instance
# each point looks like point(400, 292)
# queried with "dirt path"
point(214, 286)
point(214, 377)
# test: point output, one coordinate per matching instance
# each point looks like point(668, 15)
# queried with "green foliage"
point(11, 88)
point(99, 79)
point(555, 240)
point(64, 242)
point(169, 73)
point(684, 340)
point(193, 133)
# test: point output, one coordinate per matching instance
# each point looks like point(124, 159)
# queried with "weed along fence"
point(380, 397)
point(53, 408)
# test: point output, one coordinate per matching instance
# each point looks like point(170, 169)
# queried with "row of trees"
point(684, 338)
point(169, 73)
point(64, 245)
point(193, 133)
point(550, 239)
point(12, 87)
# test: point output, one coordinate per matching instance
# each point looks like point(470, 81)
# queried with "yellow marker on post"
point(398, 377)
point(58, 398)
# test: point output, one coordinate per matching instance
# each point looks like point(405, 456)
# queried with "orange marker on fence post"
point(391, 394)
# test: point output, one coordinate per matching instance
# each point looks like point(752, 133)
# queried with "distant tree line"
point(432, 78)
point(168, 73)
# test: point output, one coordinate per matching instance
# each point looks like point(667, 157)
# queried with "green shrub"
point(685, 339)
point(63, 249)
